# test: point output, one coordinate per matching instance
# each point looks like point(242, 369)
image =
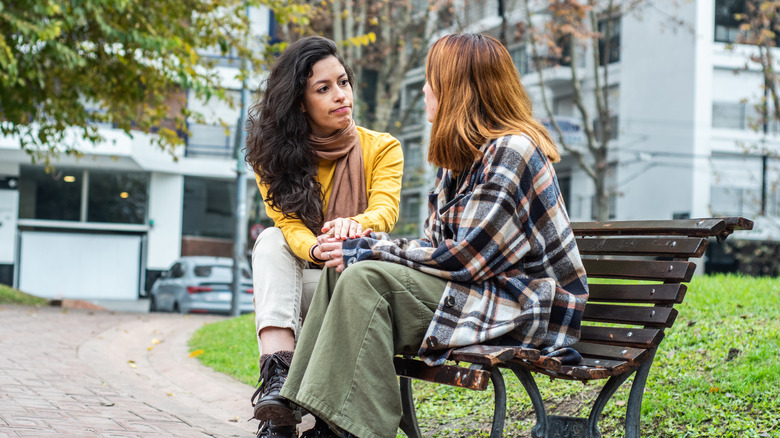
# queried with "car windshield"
point(218, 271)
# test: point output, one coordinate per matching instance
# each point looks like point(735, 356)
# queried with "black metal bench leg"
point(525, 377)
point(499, 412)
point(606, 393)
point(409, 419)
point(634, 406)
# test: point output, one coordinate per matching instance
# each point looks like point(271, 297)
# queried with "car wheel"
point(176, 308)
point(152, 304)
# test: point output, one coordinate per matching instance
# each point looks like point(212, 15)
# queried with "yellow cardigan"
point(383, 162)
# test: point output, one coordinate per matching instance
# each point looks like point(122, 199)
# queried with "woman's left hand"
point(342, 228)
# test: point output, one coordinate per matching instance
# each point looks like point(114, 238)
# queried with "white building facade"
point(103, 226)
point(681, 96)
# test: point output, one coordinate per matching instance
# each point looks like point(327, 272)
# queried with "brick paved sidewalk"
point(84, 373)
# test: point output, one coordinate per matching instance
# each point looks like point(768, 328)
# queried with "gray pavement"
point(96, 373)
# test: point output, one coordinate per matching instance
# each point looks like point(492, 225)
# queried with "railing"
point(213, 141)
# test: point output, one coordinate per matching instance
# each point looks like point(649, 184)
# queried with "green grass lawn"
point(9, 295)
point(717, 373)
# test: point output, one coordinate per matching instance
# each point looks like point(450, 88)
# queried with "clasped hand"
point(334, 233)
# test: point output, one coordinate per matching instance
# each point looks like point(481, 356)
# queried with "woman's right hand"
point(343, 228)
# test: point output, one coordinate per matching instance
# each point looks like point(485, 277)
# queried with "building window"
point(741, 115)
point(564, 183)
point(611, 54)
point(117, 197)
point(79, 195)
point(729, 16)
point(520, 59)
point(552, 55)
point(474, 11)
point(409, 220)
point(54, 195)
point(726, 23)
point(737, 183)
point(414, 169)
point(613, 128)
point(413, 106)
point(729, 115)
point(208, 209)
point(213, 141)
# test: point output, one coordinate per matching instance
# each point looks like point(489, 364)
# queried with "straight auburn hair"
point(480, 98)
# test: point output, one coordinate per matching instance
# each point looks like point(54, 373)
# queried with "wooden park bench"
point(623, 324)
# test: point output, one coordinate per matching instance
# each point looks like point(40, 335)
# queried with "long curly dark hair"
point(277, 143)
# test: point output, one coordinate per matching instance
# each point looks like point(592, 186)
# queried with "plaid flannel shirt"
point(505, 244)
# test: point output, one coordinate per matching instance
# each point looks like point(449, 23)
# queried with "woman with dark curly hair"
point(322, 179)
point(498, 262)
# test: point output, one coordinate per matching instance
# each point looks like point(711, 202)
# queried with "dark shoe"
point(268, 404)
point(268, 430)
point(320, 430)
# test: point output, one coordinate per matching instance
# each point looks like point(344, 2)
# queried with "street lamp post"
point(239, 241)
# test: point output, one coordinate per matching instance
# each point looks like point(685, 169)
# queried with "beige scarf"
point(348, 196)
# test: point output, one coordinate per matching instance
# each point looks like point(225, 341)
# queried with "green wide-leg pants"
point(342, 370)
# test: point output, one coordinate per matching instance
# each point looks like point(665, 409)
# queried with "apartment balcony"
point(211, 141)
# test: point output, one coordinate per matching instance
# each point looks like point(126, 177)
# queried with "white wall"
point(165, 210)
point(703, 99)
point(657, 115)
point(9, 205)
point(9, 212)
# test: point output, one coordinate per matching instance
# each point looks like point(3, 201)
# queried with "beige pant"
point(283, 284)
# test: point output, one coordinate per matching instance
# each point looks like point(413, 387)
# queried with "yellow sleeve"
point(384, 162)
point(298, 237)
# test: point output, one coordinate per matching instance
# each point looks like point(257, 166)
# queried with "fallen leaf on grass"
point(132, 364)
point(155, 341)
point(233, 420)
point(196, 353)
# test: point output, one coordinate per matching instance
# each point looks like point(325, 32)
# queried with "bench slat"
point(595, 368)
point(629, 337)
point(638, 293)
point(446, 374)
point(639, 315)
point(492, 355)
point(640, 269)
point(611, 352)
point(685, 227)
point(738, 223)
point(668, 247)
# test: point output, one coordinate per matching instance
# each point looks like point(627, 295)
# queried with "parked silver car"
point(200, 284)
